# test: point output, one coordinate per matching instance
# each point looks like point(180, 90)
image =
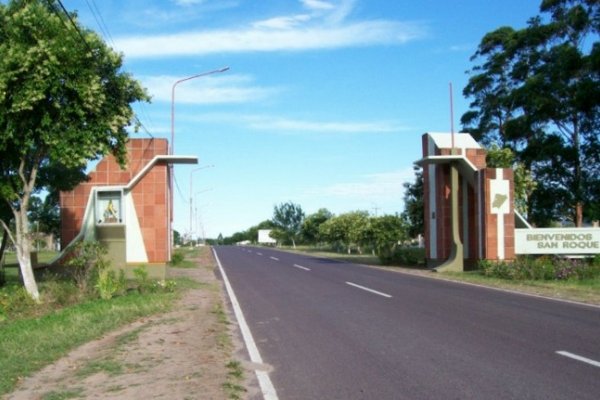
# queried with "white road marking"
point(301, 267)
point(274, 258)
point(260, 254)
point(264, 380)
point(579, 358)
point(368, 290)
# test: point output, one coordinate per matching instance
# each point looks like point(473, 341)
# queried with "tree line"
point(355, 231)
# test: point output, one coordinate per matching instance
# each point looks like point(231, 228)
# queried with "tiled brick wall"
point(150, 195)
point(487, 235)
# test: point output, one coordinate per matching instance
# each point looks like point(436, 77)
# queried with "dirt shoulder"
point(191, 352)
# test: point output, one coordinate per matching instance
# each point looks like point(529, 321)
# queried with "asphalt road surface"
point(334, 330)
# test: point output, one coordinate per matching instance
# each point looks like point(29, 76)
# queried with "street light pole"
point(192, 192)
point(216, 71)
point(172, 144)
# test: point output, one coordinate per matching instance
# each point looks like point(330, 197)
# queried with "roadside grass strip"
point(28, 345)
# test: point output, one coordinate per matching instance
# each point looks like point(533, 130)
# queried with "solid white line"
point(264, 380)
point(301, 267)
point(368, 290)
point(579, 358)
point(274, 258)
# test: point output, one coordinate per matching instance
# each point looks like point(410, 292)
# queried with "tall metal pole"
point(216, 71)
point(192, 192)
point(172, 145)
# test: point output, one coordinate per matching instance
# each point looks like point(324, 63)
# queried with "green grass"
point(27, 345)
point(587, 291)
point(235, 375)
point(44, 256)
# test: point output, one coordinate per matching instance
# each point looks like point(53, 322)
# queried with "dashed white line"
point(301, 267)
point(264, 380)
point(579, 358)
point(369, 290)
point(274, 258)
point(259, 254)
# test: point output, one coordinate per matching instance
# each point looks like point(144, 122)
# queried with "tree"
point(311, 224)
point(538, 92)
point(523, 182)
point(63, 101)
point(388, 232)
point(414, 206)
point(287, 218)
point(347, 230)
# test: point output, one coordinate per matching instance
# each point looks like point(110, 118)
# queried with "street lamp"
point(172, 146)
point(216, 71)
point(191, 192)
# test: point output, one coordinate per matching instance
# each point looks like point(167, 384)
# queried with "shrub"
point(404, 256)
point(141, 279)
point(15, 301)
point(177, 258)
point(541, 268)
point(61, 293)
point(109, 284)
point(87, 258)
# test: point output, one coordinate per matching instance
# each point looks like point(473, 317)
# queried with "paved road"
point(328, 337)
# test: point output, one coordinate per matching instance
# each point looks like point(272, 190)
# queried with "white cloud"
point(211, 89)
point(288, 125)
point(384, 186)
point(264, 40)
point(317, 4)
point(282, 22)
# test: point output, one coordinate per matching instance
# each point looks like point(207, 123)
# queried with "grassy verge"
point(27, 345)
point(586, 291)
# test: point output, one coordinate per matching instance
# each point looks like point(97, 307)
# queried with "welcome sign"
point(557, 241)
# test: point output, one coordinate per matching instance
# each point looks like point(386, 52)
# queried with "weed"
point(63, 395)
point(87, 257)
point(108, 366)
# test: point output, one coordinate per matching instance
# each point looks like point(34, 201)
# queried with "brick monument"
point(129, 210)
point(469, 212)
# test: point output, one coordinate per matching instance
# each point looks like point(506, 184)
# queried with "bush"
point(60, 293)
point(404, 256)
point(542, 268)
point(15, 301)
point(177, 258)
point(87, 258)
point(109, 284)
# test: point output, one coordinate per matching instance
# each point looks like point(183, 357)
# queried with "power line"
point(103, 28)
point(51, 4)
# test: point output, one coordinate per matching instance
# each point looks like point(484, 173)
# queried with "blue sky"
point(324, 104)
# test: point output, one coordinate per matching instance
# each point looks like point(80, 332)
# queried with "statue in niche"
point(110, 213)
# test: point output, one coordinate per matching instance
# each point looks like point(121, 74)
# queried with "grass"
point(27, 345)
point(235, 375)
point(587, 291)
point(184, 257)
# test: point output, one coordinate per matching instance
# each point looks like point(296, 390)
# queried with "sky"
point(323, 105)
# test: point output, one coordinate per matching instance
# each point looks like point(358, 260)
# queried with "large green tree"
point(64, 100)
point(414, 206)
point(311, 224)
point(537, 91)
point(287, 219)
